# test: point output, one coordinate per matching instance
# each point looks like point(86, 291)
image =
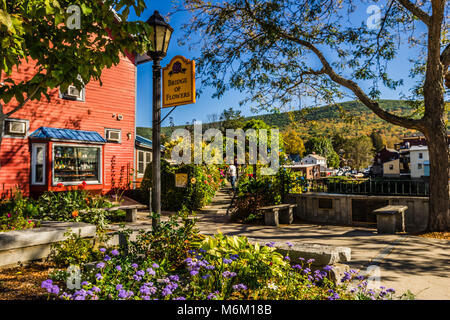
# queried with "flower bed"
point(75, 205)
point(215, 268)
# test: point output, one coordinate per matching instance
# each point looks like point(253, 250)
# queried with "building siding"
point(115, 96)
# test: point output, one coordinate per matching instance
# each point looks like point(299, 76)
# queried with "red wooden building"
point(78, 136)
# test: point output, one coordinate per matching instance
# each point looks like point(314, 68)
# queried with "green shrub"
point(75, 250)
point(170, 242)
point(203, 182)
point(17, 213)
point(264, 191)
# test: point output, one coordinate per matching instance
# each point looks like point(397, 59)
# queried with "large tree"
point(359, 152)
point(271, 48)
point(69, 42)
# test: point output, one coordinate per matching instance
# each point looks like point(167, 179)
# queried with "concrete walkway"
point(405, 262)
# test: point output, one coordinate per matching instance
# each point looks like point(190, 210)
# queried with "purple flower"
point(137, 278)
point(310, 261)
point(155, 265)
point(123, 294)
point(206, 276)
point(134, 265)
point(96, 289)
point(54, 289)
point(240, 286)
point(290, 245)
point(287, 258)
point(166, 291)
point(84, 283)
point(234, 256)
point(174, 278)
point(150, 271)
point(327, 268)
point(297, 266)
point(140, 273)
point(270, 244)
point(115, 252)
point(180, 298)
point(227, 261)
point(118, 268)
point(107, 258)
point(100, 265)
point(102, 250)
point(98, 276)
point(46, 284)
point(194, 272)
point(212, 295)
point(228, 274)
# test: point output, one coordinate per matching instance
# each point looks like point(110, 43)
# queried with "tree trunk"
point(438, 219)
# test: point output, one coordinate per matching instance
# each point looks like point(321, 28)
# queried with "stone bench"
point(130, 210)
point(34, 244)
point(323, 255)
point(391, 219)
point(276, 214)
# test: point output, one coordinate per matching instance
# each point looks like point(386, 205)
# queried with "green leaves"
point(38, 30)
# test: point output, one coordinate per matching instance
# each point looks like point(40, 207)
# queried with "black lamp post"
point(160, 37)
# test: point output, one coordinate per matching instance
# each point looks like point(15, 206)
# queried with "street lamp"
point(160, 37)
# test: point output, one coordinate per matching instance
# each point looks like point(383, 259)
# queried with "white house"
point(315, 159)
point(418, 160)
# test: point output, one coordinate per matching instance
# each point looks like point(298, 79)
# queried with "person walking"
point(232, 173)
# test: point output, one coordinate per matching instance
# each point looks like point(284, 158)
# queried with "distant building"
point(391, 168)
point(418, 159)
point(315, 159)
point(383, 156)
point(309, 171)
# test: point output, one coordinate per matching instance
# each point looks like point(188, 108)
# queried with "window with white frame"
point(73, 164)
point(144, 158)
point(38, 151)
point(113, 135)
point(15, 128)
point(73, 93)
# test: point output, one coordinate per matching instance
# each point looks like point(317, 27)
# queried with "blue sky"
point(205, 103)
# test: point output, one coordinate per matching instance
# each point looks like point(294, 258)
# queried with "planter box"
point(34, 244)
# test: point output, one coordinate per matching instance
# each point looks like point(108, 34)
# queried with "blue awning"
point(144, 142)
point(67, 135)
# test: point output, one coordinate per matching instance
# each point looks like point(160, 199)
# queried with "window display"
point(76, 164)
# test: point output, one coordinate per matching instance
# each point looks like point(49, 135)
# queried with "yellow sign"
point(181, 180)
point(178, 82)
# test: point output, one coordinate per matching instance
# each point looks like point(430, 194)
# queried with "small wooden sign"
point(178, 82)
point(181, 180)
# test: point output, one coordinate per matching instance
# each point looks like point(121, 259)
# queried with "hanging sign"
point(181, 180)
point(178, 82)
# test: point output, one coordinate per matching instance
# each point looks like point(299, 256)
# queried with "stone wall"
point(337, 208)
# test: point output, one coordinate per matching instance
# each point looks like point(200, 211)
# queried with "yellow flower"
point(193, 180)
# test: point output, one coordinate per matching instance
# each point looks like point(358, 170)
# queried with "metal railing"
point(371, 187)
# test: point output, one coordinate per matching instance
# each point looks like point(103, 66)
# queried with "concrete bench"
point(130, 210)
point(391, 219)
point(281, 213)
